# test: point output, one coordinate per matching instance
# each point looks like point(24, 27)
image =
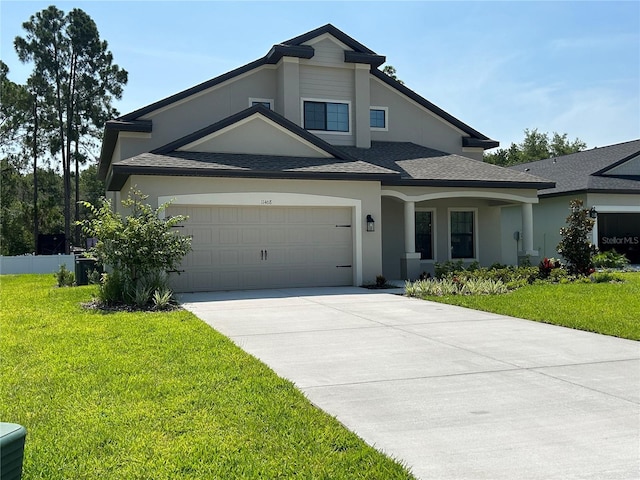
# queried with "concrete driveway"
point(451, 392)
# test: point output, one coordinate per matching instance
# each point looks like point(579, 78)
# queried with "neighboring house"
point(311, 167)
point(606, 179)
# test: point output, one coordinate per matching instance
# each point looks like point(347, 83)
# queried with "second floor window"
point(327, 116)
point(378, 118)
point(264, 104)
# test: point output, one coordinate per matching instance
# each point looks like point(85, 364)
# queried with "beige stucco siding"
point(202, 110)
point(548, 217)
point(363, 196)
point(410, 122)
point(258, 136)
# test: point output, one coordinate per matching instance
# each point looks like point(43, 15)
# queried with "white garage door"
point(237, 248)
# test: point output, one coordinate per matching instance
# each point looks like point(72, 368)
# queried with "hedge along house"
point(606, 179)
point(311, 167)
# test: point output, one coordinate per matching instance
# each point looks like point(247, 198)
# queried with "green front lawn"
point(156, 396)
point(607, 308)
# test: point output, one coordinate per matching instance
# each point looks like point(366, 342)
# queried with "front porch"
point(424, 226)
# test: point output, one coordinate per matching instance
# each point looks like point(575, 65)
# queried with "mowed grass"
point(606, 308)
point(156, 396)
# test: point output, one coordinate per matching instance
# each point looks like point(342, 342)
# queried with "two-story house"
point(311, 167)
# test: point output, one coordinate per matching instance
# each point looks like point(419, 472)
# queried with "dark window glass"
point(377, 118)
point(424, 237)
point(332, 117)
point(264, 104)
point(462, 235)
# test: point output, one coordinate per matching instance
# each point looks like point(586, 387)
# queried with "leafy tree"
point(17, 210)
point(15, 110)
point(77, 81)
point(391, 71)
point(139, 248)
point(576, 246)
point(535, 146)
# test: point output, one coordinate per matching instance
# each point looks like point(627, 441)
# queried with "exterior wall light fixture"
point(593, 213)
point(371, 224)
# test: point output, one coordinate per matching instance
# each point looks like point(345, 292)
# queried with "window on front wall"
point(462, 234)
point(265, 102)
point(378, 118)
point(424, 235)
point(327, 116)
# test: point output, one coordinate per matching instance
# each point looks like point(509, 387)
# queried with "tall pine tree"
point(78, 81)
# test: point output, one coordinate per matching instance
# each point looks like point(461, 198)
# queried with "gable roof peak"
point(335, 32)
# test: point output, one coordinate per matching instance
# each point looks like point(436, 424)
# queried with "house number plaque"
point(266, 202)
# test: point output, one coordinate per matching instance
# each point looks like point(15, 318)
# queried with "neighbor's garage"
point(236, 248)
point(620, 232)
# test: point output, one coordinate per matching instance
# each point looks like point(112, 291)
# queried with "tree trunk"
point(36, 231)
point(77, 216)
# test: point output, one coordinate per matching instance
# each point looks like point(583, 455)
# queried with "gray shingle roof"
point(582, 171)
point(393, 163)
point(417, 164)
point(252, 163)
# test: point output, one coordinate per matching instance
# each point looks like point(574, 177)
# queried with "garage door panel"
point(275, 215)
point(297, 235)
point(201, 236)
point(251, 236)
point(250, 216)
point(265, 247)
point(229, 257)
point(200, 258)
point(251, 256)
point(229, 236)
point(276, 236)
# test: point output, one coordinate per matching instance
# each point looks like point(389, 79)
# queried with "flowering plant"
point(547, 265)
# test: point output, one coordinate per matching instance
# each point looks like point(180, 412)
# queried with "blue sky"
point(501, 67)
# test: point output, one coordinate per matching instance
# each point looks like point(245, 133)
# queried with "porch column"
point(410, 262)
point(410, 227)
point(527, 234)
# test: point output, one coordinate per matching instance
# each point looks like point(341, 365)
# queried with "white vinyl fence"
point(35, 264)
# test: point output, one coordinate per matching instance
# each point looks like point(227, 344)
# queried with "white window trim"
point(386, 119)
point(325, 100)
point(265, 100)
point(434, 234)
point(476, 246)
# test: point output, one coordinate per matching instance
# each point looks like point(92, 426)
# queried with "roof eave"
point(120, 174)
point(297, 51)
point(472, 183)
point(112, 129)
point(485, 144)
point(366, 58)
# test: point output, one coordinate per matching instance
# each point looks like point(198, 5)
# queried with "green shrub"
point(380, 281)
point(576, 246)
point(447, 268)
point(610, 259)
point(64, 277)
point(111, 289)
point(142, 247)
point(606, 277)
